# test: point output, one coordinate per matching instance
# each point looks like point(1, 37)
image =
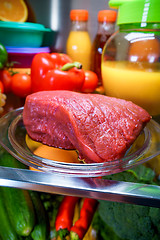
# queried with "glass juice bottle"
point(106, 27)
point(134, 74)
point(78, 45)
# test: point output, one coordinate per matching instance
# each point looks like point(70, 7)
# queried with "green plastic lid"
point(23, 26)
point(136, 11)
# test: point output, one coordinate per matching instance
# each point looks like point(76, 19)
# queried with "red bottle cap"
point(107, 16)
point(79, 15)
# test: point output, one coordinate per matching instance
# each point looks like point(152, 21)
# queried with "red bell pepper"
point(49, 72)
point(60, 59)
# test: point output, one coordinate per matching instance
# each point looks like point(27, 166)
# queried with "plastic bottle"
point(78, 45)
point(134, 73)
point(106, 27)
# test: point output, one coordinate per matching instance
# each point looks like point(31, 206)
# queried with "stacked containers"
point(23, 41)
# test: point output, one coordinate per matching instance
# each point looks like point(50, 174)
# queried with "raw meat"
point(101, 128)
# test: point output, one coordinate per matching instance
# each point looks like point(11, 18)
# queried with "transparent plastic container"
point(134, 74)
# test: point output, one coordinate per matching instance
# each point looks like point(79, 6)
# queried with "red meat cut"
point(101, 128)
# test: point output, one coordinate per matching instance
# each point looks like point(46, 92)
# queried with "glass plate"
point(12, 138)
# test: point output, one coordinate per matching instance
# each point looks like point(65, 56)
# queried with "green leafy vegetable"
point(103, 231)
point(127, 221)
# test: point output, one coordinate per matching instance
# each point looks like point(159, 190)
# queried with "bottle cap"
point(107, 16)
point(136, 11)
point(79, 15)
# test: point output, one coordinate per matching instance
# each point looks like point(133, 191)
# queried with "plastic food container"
point(132, 70)
point(22, 34)
point(22, 57)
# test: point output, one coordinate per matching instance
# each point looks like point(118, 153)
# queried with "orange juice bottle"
point(78, 45)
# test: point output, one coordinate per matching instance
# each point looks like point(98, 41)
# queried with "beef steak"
point(101, 128)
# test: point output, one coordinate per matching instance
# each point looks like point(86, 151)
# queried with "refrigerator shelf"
point(118, 191)
point(82, 185)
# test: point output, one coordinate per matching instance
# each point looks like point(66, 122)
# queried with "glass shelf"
point(66, 179)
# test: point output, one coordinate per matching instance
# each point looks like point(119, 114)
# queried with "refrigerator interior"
point(55, 15)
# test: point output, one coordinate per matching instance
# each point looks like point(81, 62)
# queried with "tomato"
point(1, 87)
point(90, 83)
point(6, 78)
point(21, 84)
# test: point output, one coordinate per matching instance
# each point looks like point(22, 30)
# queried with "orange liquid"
point(139, 83)
point(78, 47)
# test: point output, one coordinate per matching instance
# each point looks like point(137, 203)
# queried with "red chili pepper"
point(81, 226)
point(48, 72)
point(64, 218)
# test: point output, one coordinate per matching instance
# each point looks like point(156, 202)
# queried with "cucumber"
point(7, 231)
point(41, 229)
point(7, 160)
point(17, 201)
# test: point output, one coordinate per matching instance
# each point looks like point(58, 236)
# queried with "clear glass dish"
point(12, 138)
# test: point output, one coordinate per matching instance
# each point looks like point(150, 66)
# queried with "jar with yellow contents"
point(134, 72)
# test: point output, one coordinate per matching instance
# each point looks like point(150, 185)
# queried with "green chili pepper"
point(3, 56)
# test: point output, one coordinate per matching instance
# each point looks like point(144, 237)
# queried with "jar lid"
point(136, 11)
point(107, 16)
point(79, 15)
